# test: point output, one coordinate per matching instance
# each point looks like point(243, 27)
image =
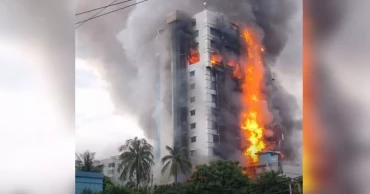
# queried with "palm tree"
point(178, 160)
point(137, 159)
point(85, 162)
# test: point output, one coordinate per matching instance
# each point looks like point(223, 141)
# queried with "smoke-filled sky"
point(114, 66)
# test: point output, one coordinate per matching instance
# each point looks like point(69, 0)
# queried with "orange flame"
point(193, 56)
point(237, 73)
point(253, 75)
point(232, 63)
point(215, 58)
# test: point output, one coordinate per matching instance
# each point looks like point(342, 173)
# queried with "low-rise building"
point(88, 180)
point(110, 169)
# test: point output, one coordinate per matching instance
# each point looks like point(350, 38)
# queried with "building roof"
point(96, 175)
point(269, 152)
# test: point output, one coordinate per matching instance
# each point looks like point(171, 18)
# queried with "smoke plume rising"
point(131, 54)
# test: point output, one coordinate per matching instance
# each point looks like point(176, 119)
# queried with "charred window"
point(214, 111)
point(210, 73)
point(193, 125)
point(214, 125)
point(232, 50)
point(183, 59)
point(193, 23)
point(196, 46)
point(213, 85)
point(196, 34)
point(192, 99)
point(193, 139)
point(215, 32)
point(183, 115)
point(192, 73)
point(214, 98)
point(192, 86)
point(216, 139)
point(215, 44)
point(192, 112)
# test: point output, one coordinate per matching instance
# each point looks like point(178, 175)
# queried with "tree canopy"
point(219, 177)
point(137, 160)
point(85, 162)
point(271, 182)
point(176, 161)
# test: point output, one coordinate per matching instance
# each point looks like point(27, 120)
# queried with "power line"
point(95, 14)
point(111, 12)
point(102, 7)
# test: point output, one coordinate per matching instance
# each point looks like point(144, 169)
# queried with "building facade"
point(110, 168)
point(204, 93)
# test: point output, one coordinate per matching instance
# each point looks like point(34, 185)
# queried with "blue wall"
point(268, 158)
point(91, 180)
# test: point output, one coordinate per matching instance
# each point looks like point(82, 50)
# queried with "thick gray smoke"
point(131, 53)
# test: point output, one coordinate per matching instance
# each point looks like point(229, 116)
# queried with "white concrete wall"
point(292, 170)
point(202, 93)
point(115, 175)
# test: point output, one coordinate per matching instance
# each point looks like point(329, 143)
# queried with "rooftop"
point(96, 175)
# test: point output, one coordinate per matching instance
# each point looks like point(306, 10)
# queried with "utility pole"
point(290, 187)
point(152, 179)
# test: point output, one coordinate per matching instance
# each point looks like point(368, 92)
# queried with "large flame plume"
point(251, 74)
point(251, 116)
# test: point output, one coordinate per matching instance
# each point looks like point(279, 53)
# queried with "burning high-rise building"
point(214, 90)
point(204, 110)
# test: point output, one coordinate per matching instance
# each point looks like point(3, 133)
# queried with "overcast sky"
point(98, 126)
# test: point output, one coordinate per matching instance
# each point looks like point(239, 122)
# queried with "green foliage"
point(219, 177)
point(90, 191)
point(137, 161)
point(271, 182)
point(115, 189)
point(176, 161)
point(144, 190)
point(107, 182)
point(85, 162)
point(130, 184)
point(168, 189)
point(87, 191)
